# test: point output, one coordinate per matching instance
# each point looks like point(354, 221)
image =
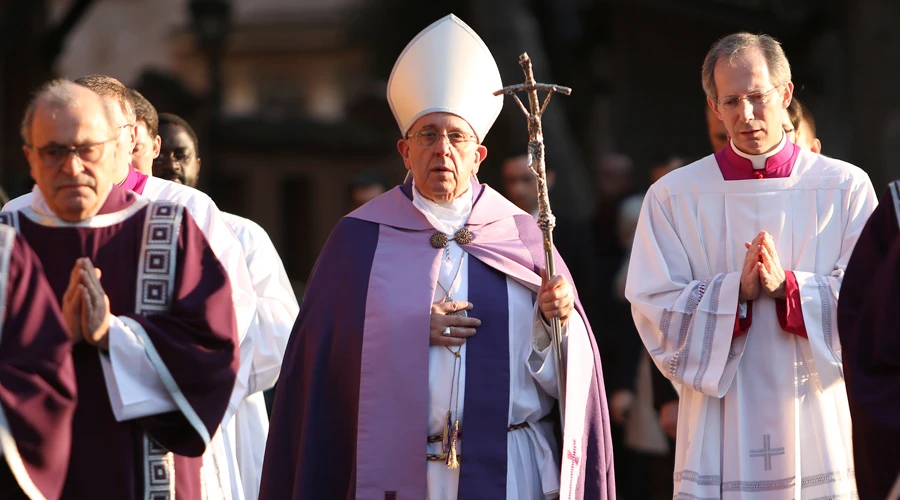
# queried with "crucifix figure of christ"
point(546, 221)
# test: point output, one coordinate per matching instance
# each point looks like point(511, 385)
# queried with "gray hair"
point(107, 86)
point(732, 46)
point(63, 94)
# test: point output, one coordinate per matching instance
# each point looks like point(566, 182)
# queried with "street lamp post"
point(211, 22)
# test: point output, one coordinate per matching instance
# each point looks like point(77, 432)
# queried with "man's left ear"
point(788, 95)
point(157, 146)
point(480, 155)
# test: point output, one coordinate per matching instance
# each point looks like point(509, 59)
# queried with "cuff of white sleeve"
point(134, 387)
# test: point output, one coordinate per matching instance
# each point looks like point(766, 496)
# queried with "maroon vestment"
point(193, 338)
point(37, 377)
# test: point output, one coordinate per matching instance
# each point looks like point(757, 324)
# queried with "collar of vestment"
point(395, 209)
point(120, 204)
point(738, 166)
point(135, 180)
point(445, 217)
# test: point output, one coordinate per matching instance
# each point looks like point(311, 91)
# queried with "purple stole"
point(483, 473)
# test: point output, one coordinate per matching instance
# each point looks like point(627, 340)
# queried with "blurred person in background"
point(573, 239)
point(800, 126)
point(630, 382)
point(365, 186)
point(520, 184)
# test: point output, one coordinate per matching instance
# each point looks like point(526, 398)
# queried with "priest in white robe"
point(734, 280)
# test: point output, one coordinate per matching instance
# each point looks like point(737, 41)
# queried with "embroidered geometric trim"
point(156, 268)
point(771, 485)
point(155, 286)
point(159, 471)
point(10, 219)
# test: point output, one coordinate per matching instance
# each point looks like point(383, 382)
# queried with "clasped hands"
point(762, 270)
point(85, 306)
point(556, 298)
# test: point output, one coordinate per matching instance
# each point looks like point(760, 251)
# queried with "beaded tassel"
point(452, 458)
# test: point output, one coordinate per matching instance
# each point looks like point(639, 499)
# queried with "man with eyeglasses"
point(734, 279)
point(221, 239)
point(420, 365)
point(147, 304)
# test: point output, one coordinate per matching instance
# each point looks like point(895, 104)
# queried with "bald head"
point(71, 148)
point(61, 95)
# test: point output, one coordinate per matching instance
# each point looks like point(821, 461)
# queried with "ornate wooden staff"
point(546, 221)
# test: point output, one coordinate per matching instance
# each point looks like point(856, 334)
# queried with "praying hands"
point(762, 270)
point(85, 306)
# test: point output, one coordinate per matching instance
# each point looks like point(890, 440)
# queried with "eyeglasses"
point(428, 138)
point(173, 156)
point(54, 156)
point(754, 98)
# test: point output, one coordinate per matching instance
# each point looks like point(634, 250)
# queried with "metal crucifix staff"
point(546, 220)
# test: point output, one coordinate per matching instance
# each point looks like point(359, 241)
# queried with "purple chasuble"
point(37, 379)
point(196, 340)
point(135, 181)
point(353, 388)
point(870, 343)
point(735, 167)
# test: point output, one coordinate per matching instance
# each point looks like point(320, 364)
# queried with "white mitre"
point(446, 68)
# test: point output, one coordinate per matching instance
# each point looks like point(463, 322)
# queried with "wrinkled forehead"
point(69, 124)
point(743, 72)
point(442, 121)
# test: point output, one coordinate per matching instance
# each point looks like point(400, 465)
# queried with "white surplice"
point(764, 415)
point(532, 467)
point(276, 311)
